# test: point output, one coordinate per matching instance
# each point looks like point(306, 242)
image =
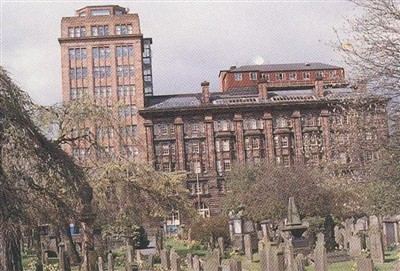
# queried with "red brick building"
point(282, 114)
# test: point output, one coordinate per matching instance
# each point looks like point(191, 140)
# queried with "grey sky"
point(192, 41)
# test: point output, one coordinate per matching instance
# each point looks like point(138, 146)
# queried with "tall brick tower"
point(104, 55)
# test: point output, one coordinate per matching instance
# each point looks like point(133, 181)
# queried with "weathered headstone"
point(189, 260)
point(263, 256)
point(289, 256)
point(376, 242)
point(235, 265)
point(196, 263)
point(175, 260)
point(61, 256)
point(212, 262)
point(138, 257)
point(271, 249)
point(397, 266)
point(355, 246)
point(150, 261)
point(45, 258)
point(110, 262)
point(320, 259)
point(221, 246)
point(364, 264)
point(129, 258)
point(100, 264)
point(299, 262)
point(165, 263)
point(248, 249)
point(281, 261)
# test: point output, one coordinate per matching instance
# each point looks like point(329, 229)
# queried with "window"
point(286, 161)
point(125, 71)
point(306, 75)
point(195, 128)
point(147, 74)
point(100, 12)
point(126, 91)
point(238, 76)
point(101, 52)
point(77, 93)
point(253, 76)
point(129, 110)
point(77, 53)
point(164, 129)
point(100, 30)
point(166, 167)
point(102, 72)
point(123, 51)
point(195, 147)
point(284, 141)
point(104, 91)
point(281, 76)
point(255, 143)
point(319, 74)
point(227, 165)
point(292, 76)
point(129, 130)
point(165, 149)
point(123, 29)
point(76, 32)
point(332, 74)
point(225, 145)
point(78, 73)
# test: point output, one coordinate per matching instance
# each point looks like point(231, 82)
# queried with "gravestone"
point(212, 262)
point(339, 238)
point(397, 266)
point(138, 257)
point(281, 261)
point(271, 250)
point(63, 259)
point(165, 263)
point(221, 246)
point(320, 259)
point(100, 263)
point(364, 264)
point(110, 262)
point(263, 256)
point(289, 256)
point(175, 260)
point(355, 246)
point(189, 260)
point(45, 258)
point(150, 261)
point(300, 262)
point(129, 255)
point(196, 263)
point(248, 249)
point(375, 240)
point(235, 265)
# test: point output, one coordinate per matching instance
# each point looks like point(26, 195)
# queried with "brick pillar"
point(326, 133)
point(210, 146)
point(298, 137)
point(148, 124)
point(238, 120)
point(269, 140)
point(180, 146)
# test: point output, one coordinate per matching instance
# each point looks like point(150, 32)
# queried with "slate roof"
point(247, 95)
point(284, 67)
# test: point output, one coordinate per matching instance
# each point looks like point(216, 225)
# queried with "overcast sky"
point(192, 41)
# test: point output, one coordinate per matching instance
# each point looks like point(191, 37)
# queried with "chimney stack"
point(319, 87)
point(205, 89)
point(263, 89)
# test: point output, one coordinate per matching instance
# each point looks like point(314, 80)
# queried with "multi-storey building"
point(282, 114)
point(104, 55)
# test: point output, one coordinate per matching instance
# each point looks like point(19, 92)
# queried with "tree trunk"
point(10, 248)
point(38, 249)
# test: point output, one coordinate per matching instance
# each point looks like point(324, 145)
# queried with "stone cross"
point(110, 262)
point(248, 249)
point(320, 257)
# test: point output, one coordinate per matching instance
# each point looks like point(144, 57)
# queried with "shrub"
point(205, 228)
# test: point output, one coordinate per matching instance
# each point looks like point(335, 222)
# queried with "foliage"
point(264, 190)
point(203, 229)
point(183, 247)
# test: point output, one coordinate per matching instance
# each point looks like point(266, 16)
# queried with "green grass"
point(184, 247)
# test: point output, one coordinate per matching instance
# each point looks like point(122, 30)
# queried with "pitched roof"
point(284, 67)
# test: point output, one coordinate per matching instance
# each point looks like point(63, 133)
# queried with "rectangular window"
point(123, 51)
point(253, 76)
point(256, 143)
point(332, 74)
point(71, 32)
point(165, 149)
point(292, 76)
point(319, 74)
point(195, 147)
point(123, 29)
point(306, 76)
point(286, 161)
point(100, 12)
point(284, 141)
point(227, 165)
point(125, 71)
point(281, 76)
point(225, 145)
point(238, 76)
